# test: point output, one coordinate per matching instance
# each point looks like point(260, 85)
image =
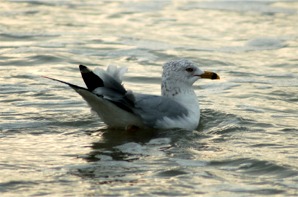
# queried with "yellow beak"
point(209, 75)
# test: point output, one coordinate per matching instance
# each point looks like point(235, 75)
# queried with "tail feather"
point(106, 86)
point(71, 85)
point(116, 72)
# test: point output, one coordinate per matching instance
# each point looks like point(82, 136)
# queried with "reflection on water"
point(246, 144)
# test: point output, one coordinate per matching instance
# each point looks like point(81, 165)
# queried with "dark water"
point(246, 144)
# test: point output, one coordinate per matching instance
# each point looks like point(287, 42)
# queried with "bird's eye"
point(189, 69)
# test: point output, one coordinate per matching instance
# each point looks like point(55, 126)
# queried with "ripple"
point(246, 143)
point(217, 122)
point(263, 7)
point(171, 173)
point(190, 163)
point(255, 167)
point(265, 43)
point(15, 185)
point(41, 59)
point(23, 36)
point(258, 191)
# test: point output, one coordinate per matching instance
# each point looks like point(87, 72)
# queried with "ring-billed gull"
point(177, 107)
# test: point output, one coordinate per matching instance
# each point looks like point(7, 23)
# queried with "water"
point(246, 144)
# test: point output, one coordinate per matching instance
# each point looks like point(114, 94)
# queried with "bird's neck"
point(185, 95)
point(178, 91)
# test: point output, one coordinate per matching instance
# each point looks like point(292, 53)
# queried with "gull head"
point(185, 71)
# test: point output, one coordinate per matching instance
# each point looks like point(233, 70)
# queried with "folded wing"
point(153, 109)
point(120, 108)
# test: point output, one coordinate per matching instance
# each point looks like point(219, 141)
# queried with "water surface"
point(246, 144)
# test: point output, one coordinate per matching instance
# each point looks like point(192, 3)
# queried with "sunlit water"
point(246, 144)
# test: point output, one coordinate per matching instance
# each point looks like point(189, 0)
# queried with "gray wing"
point(153, 108)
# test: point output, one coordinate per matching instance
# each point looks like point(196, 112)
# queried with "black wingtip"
point(82, 66)
point(84, 69)
point(91, 80)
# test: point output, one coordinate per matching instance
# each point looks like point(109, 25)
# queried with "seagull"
point(119, 108)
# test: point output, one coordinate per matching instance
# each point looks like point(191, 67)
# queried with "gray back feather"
point(154, 108)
